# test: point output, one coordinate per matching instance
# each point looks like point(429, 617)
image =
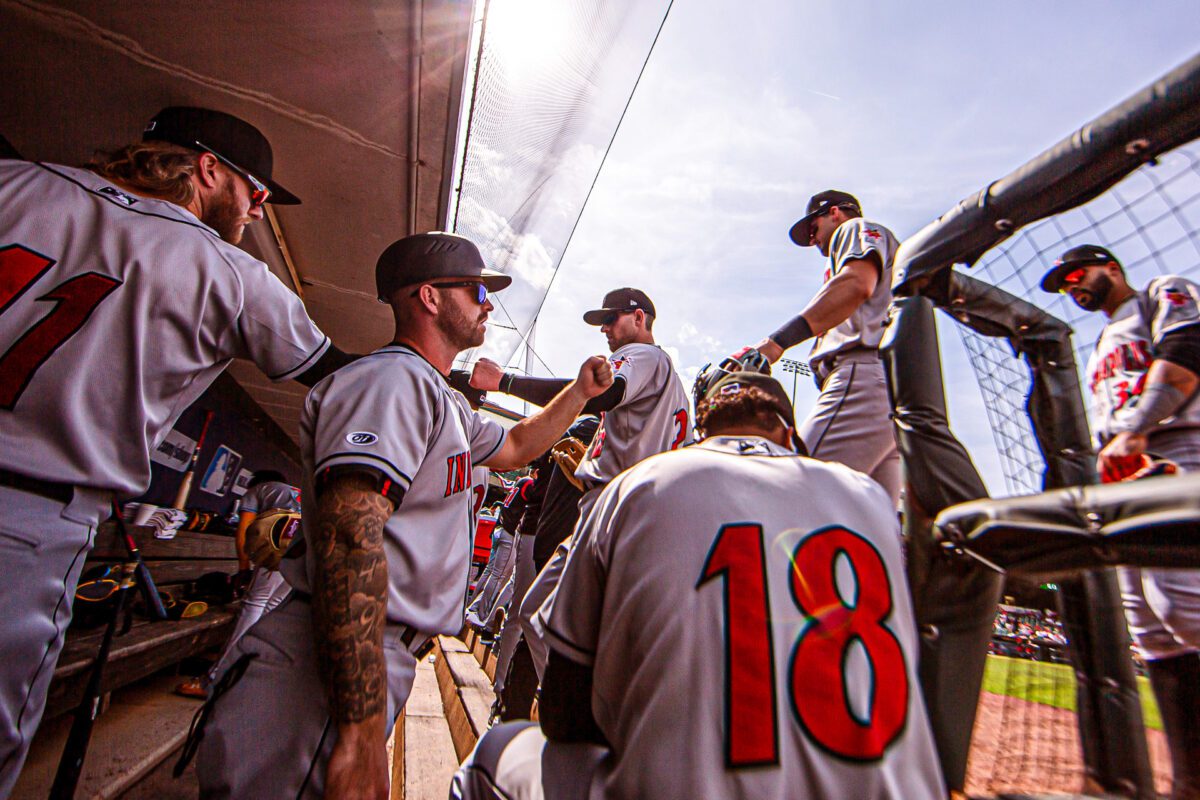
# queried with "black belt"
point(408, 634)
point(62, 492)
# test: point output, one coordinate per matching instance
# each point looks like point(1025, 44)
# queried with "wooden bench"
point(148, 646)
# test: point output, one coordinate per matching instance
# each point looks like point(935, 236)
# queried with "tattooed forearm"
point(350, 598)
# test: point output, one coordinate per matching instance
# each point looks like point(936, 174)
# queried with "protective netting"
point(552, 80)
point(1026, 735)
point(1150, 221)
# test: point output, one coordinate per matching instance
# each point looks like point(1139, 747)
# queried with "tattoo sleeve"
point(349, 597)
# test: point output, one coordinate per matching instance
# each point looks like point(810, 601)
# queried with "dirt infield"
point(1020, 746)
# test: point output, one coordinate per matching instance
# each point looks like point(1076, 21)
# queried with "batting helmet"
point(746, 360)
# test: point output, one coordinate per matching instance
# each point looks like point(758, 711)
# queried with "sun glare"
point(527, 35)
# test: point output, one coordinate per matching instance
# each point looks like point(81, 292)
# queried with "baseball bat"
point(70, 766)
point(185, 488)
point(145, 582)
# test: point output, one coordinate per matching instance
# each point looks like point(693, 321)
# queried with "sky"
point(746, 109)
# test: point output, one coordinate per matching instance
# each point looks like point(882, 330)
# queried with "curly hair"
point(156, 168)
point(748, 406)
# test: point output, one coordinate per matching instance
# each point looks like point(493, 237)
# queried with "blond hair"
point(155, 168)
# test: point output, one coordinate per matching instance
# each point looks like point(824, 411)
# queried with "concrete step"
point(144, 724)
point(466, 692)
point(423, 736)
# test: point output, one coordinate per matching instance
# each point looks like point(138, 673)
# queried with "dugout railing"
point(955, 598)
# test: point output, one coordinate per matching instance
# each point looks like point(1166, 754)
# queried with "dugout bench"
point(148, 646)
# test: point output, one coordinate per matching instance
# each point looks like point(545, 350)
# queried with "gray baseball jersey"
point(747, 618)
point(1116, 370)
point(854, 239)
point(653, 415)
point(271, 494)
point(394, 413)
point(116, 313)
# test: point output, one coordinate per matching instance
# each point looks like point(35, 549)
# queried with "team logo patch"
point(872, 234)
point(117, 195)
point(1175, 296)
point(361, 438)
point(617, 363)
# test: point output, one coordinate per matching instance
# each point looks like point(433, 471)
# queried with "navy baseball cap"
point(620, 300)
point(735, 382)
point(205, 130)
point(1085, 255)
point(818, 204)
point(432, 256)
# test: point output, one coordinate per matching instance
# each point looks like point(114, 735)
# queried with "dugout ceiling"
point(359, 99)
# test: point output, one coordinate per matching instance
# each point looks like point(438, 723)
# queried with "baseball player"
point(388, 448)
point(268, 489)
point(851, 422)
point(1143, 377)
point(122, 298)
point(734, 622)
point(487, 598)
point(644, 412)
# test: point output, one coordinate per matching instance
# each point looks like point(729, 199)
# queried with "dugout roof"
point(359, 99)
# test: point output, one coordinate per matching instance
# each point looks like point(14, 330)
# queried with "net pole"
point(955, 601)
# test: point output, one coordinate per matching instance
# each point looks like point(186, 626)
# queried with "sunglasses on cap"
point(481, 292)
point(259, 193)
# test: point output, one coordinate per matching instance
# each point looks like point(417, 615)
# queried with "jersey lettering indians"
point(105, 340)
point(392, 413)
point(747, 619)
point(653, 417)
point(1116, 370)
point(854, 240)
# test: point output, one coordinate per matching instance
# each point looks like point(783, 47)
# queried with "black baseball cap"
point(782, 404)
point(620, 300)
point(818, 204)
point(205, 130)
point(1085, 255)
point(431, 256)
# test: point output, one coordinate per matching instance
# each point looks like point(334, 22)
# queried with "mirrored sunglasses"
point(259, 193)
point(1072, 278)
point(481, 292)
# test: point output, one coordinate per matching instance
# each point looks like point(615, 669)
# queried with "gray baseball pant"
point(1162, 606)
point(270, 735)
point(851, 422)
point(515, 760)
point(510, 634)
point(541, 593)
point(266, 591)
point(43, 544)
point(495, 575)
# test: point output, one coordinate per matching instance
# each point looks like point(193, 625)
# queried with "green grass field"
point(1050, 684)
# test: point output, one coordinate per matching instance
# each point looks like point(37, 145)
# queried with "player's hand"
point(486, 375)
point(770, 350)
point(595, 375)
point(357, 768)
point(1124, 455)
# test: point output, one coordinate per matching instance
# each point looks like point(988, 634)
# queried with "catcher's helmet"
point(747, 360)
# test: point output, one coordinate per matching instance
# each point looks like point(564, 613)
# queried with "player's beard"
point(461, 328)
point(1095, 295)
point(224, 214)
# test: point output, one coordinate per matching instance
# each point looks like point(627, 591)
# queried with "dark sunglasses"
point(259, 193)
point(480, 289)
point(611, 317)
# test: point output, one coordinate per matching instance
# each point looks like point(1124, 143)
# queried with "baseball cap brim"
point(279, 195)
point(495, 281)
point(801, 232)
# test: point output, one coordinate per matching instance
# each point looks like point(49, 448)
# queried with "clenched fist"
point(487, 375)
point(595, 375)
